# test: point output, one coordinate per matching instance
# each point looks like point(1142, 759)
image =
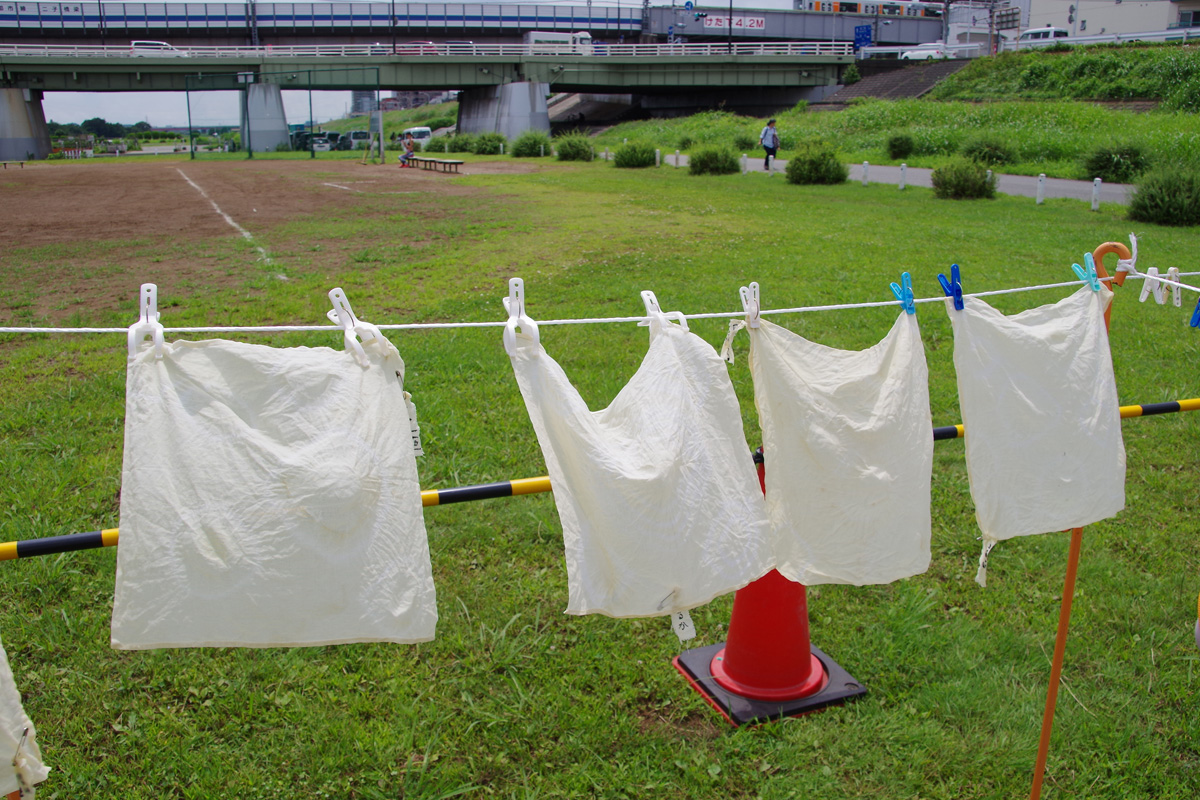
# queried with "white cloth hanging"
point(269, 498)
point(1043, 424)
point(29, 769)
point(658, 497)
point(847, 439)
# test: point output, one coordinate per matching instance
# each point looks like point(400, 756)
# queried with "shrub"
point(488, 144)
point(574, 147)
point(713, 161)
point(851, 75)
point(531, 144)
point(1118, 163)
point(455, 143)
point(987, 150)
point(634, 155)
point(685, 142)
point(816, 163)
point(963, 179)
point(1167, 197)
point(744, 141)
point(440, 122)
point(900, 145)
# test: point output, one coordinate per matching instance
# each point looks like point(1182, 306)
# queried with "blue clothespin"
point(1090, 274)
point(904, 293)
point(953, 287)
point(1196, 315)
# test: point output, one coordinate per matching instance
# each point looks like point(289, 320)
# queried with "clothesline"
point(583, 320)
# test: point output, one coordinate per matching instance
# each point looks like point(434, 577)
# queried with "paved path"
point(1020, 185)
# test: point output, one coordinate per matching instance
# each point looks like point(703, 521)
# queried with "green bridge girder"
point(614, 74)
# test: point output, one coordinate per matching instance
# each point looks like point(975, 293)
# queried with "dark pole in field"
point(187, 94)
point(312, 153)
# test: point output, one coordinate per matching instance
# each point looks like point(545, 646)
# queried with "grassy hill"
point(1167, 73)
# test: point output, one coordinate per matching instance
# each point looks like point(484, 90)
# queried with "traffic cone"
point(767, 668)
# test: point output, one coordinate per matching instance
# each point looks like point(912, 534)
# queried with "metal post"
point(188, 97)
point(392, 25)
point(745, 166)
point(312, 153)
point(677, 159)
point(1096, 194)
point(729, 24)
point(246, 116)
point(866, 167)
point(903, 174)
point(1041, 192)
point(657, 157)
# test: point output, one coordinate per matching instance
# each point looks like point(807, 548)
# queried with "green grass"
point(515, 699)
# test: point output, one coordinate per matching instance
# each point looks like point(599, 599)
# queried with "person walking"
point(769, 139)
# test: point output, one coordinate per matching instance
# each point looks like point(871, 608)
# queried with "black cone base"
point(695, 666)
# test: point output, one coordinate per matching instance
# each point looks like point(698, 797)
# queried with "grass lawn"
point(516, 699)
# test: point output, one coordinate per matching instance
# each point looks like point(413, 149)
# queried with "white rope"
point(581, 321)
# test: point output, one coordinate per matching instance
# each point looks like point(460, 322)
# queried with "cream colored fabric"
point(269, 498)
point(29, 769)
point(659, 501)
point(848, 443)
point(1043, 424)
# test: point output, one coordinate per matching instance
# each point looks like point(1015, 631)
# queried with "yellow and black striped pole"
point(52, 545)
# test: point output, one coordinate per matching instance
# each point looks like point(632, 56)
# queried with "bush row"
point(1115, 162)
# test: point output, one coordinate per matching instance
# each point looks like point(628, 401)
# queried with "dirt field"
point(113, 223)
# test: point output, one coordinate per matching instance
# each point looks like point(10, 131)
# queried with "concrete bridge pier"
point(264, 126)
point(510, 109)
point(23, 131)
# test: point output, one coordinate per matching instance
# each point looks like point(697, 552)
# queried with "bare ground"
point(113, 225)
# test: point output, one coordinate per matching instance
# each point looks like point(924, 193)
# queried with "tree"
point(102, 129)
point(140, 127)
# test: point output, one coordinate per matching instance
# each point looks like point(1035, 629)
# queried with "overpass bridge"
point(504, 87)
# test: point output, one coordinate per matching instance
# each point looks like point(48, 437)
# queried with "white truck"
point(554, 43)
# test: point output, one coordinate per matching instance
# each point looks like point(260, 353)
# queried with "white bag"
point(658, 497)
point(269, 498)
point(848, 444)
point(29, 769)
point(1043, 425)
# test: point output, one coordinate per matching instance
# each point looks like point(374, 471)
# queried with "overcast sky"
point(221, 108)
point(171, 108)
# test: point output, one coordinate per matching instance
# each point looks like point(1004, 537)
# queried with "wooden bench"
point(19, 163)
point(442, 164)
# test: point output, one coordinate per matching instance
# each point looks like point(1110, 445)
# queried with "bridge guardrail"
point(427, 50)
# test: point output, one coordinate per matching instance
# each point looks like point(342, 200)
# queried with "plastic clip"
point(1176, 292)
point(904, 293)
point(953, 287)
point(147, 324)
point(353, 329)
point(654, 312)
point(514, 304)
point(1152, 285)
point(750, 304)
point(1088, 275)
point(1195, 323)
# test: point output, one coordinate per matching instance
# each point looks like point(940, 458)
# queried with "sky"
point(162, 109)
point(221, 108)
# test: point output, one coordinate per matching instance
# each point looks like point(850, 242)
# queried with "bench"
point(6, 163)
point(443, 164)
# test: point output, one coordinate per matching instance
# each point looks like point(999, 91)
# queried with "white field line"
point(225, 216)
point(347, 188)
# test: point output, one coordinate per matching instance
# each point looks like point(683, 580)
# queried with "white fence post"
point(502, 148)
point(657, 157)
point(1096, 194)
point(676, 158)
point(866, 167)
point(903, 174)
point(745, 166)
point(1041, 193)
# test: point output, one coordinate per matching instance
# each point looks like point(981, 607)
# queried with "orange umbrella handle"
point(1119, 278)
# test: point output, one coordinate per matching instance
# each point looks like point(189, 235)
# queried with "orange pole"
point(1060, 646)
point(1064, 613)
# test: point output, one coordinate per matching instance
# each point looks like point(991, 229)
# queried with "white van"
point(142, 48)
point(554, 43)
point(420, 135)
point(1035, 37)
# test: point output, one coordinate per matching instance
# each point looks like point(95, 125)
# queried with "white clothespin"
point(353, 329)
point(20, 763)
point(514, 304)
point(654, 312)
point(1129, 265)
point(751, 304)
point(1151, 284)
point(1176, 296)
point(147, 324)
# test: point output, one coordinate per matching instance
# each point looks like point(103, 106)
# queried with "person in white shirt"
point(769, 139)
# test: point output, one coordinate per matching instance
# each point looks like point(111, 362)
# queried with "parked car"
point(416, 49)
point(420, 134)
point(923, 54)
point(1039, 36)
point(142, 48)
